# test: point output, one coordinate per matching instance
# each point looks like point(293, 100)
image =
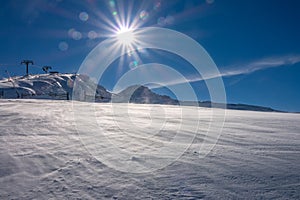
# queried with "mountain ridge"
point(60, 87)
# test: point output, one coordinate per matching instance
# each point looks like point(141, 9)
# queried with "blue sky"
point(255, 44)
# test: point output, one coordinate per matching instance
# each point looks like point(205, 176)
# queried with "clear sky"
point(254, 43)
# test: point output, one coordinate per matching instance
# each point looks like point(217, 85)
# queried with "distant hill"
point(209, 104)
point(143, 95)
point(60, 86)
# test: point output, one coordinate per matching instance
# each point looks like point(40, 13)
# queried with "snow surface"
point(42, 156)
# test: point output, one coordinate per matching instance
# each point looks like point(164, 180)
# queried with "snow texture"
point(42, 156)
point(51, 86)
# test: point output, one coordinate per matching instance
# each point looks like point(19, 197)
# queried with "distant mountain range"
point(60, 86)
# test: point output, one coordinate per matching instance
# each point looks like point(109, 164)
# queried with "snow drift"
point(42, 156)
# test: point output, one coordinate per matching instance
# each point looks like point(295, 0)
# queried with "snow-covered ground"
point(47, 152)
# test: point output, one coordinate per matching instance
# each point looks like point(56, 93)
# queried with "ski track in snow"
point(42, 157)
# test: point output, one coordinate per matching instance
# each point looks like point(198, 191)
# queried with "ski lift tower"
point(27, 62)
point(46, 69)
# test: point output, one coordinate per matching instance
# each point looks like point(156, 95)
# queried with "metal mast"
point(27, 62)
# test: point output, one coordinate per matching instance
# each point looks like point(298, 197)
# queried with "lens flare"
point(125, 36)
point(133, 64)
point(112, 3)
point(144, 15)
point(161, 21)
point(83, 16)
point(92, 35)
point(63, 46)
point(210, 1)
point(76, 35)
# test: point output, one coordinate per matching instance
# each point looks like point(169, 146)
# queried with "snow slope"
point(42, 156)
point(50, 86)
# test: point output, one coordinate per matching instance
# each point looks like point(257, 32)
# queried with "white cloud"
point(246, 68)
point(262, 64)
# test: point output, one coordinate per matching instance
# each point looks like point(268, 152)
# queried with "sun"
point(125, 36)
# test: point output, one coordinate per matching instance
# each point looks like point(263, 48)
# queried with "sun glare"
point(124, 30)
point(125, 36)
